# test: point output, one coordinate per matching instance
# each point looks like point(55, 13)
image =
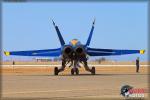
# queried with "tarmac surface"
point(105, 84)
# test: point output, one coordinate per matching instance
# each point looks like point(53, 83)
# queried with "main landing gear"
point(93, 71)
point(56, 71)
point(74, 71)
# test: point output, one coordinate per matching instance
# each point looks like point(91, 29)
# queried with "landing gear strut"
point(56, 71)
point(93, 71)
point(74, 70)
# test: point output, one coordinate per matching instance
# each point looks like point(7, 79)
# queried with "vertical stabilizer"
point(90, 35)
point(62, 42)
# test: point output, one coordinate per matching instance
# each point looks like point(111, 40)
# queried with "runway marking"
point(47, 91)
point(60, 65)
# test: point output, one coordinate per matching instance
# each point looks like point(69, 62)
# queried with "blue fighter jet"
point(74, 53)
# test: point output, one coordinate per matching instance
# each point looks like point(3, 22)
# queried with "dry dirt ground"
point(39, 83)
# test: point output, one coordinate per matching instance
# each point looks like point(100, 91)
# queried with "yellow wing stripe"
point(7, 53)
point(142, 51)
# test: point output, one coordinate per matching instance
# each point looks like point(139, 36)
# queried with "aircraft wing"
point(46, 52)
point(110, 52)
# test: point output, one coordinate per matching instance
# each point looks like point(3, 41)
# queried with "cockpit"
point(74, 42)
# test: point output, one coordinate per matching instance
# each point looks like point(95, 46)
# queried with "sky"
point(119, 25)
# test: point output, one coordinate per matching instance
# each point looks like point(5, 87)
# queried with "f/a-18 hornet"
point(74, 53)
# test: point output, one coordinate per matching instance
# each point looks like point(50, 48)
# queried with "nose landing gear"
point(74, 70)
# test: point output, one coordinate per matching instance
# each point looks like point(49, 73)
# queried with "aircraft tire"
point(72, 71)
point(56, 71)
point(93, 71)
point(77, 71)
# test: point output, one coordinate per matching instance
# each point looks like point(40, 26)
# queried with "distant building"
point(57, 59)
point(43, 59)
point(99, 60)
